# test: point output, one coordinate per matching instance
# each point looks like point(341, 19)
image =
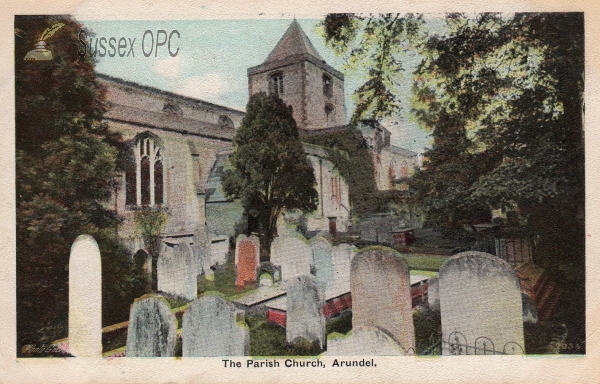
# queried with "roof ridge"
point(294, 41)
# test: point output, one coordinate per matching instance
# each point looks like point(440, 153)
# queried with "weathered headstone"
point(210, 328)
point(480, 304)
point(380, 286)
point(305, 319)
point(177, 270)
point(85, 298)
point(322, 261)
point(363, 341)
point(341, 255)
point(293, 255)
point(219, 249)
point(247, 253)
point(433, 294)
point(152, 328)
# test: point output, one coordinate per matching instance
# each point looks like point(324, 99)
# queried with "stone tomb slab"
point(210, 328)
point(380, 287)
point(152, 328)
point(480, 304)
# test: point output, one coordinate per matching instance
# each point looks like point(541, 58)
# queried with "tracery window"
point(144, 181)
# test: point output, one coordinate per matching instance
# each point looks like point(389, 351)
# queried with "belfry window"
point(144, 179)
point(276, 84)
point(329, 112)
point(327, 86)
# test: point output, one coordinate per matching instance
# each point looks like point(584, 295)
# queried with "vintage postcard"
point(229, 193)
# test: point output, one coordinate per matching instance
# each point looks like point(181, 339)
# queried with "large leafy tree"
point(270, 170)
point(66, 164)
point(502, 97)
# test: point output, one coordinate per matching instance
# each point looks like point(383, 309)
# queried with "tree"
point(270, 170)
point(67, 162)
point(502, 97)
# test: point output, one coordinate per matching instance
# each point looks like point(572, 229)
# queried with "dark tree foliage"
point(271, 172)
point(66, 164)
point(351, 156)
point(503, 99)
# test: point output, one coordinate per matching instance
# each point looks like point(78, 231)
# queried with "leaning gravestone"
point(85, 298)
point(305, 319)
point(433, 294)
point(363, 341)
point(177, 270)
point(293, 255)
point(380, 286)
point(323, 262)
point(480, 304)
point(152, 328)
point(210, 328)
point(247, 253)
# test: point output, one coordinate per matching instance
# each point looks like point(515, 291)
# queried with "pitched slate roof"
point(293, 42)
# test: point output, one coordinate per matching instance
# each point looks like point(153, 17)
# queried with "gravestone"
point(210, 328)
point(363, 341)
point(85, 298)
point(293, 255)
point(341, 256)
point(480, 304)
point(177, 270)
point(238, 239)
point(219, 248)
point(433, 294)
point(305, 319)
point(152, 328)
point(322, 262)
point(247, 253)
point(380, 286)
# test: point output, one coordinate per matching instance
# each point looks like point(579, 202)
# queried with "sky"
point(212, 60)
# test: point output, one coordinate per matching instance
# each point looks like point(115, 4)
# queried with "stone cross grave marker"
point(177, 270)
point(304, 313)
point(152, 330)
point(210, 328)
point(480, 305)
point(380, 286)
point(85, 298)
point(248, 261)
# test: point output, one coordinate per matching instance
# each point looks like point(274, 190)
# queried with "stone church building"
point(181, 148)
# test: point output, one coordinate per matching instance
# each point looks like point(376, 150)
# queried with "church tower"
point(296, 72)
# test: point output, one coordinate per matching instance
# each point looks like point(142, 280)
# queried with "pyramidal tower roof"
point(293, 42)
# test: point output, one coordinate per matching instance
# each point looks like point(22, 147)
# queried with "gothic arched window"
point(327, 86)
point(276, 84)
point(144, 182)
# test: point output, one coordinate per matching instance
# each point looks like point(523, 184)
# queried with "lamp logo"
point(40, 53)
